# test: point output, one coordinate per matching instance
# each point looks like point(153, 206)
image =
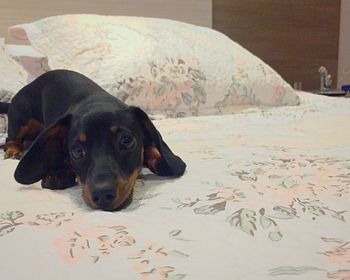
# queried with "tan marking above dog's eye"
point(114, 129)
point(82, 137)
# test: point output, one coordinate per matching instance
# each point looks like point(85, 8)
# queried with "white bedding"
point(265, 196)
point(164, 66)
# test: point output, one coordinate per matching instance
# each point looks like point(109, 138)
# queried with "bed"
point(265, 194)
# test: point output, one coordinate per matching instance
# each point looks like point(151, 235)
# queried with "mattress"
point(265, 196)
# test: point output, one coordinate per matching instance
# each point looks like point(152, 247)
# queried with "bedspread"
point(265, 196)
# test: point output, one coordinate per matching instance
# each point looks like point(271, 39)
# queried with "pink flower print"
point(150, 263)
point(92, 242)
point(54, 219)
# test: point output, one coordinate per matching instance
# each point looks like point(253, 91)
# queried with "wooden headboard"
point(24, 11)
point(295, 37)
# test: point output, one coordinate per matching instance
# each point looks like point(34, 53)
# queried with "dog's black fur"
point(4, 107)
point(65, 128)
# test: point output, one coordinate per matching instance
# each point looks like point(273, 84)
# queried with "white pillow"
point(33, 62)
point(164, 66)
point(12, 78)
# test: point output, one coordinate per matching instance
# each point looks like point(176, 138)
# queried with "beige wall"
point(22, 11)
point(344, 44)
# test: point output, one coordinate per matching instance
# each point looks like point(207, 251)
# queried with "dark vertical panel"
point(295, 37)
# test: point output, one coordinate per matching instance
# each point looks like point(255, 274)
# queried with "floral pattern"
point(225, 198)
point(93, 242)
point(165, 67)
point(339, 253)
point(176, 87)
point(9, 221)
point(153, 253)
point(265, 196)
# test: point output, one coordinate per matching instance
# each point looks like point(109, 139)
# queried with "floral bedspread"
point(266, 196)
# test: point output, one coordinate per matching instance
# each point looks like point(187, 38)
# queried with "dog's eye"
point(77, 152)
point(127, 142)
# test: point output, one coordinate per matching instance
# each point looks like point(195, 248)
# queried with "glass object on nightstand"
point(326, 83)
point(297, 85)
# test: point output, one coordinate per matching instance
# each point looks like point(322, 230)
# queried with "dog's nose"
point(103, 196)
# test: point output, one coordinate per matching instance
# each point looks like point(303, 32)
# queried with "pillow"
point(164, 66)
point(30, 59)
point(12, 78)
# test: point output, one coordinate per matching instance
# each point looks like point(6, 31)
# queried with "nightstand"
point(332, 93)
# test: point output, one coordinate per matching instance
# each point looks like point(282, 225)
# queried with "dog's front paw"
point(13, 149)
point(60, 180)
point(13, 153)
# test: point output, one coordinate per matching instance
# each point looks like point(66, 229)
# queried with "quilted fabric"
point(265, 196)
point(33, 62)
point(12, 78)
point(164, 66)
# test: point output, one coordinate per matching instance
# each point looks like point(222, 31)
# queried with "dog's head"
point(105, 149)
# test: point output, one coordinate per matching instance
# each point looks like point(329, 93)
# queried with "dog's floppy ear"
point(157, 155)
point(46, 154)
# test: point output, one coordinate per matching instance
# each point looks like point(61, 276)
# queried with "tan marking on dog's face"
point(124, 188)
point(87, 196)
point(82, 137)
point(114, 129)
point(152, 156)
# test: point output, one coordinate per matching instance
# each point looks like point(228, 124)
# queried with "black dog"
point(65, 128)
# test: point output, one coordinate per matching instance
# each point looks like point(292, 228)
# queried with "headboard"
point(294, 37)
point(23, 11)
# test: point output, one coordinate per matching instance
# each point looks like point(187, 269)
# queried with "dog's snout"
point(104, 196)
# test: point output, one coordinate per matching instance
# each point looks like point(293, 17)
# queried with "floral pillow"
point(164, 66)
point(13, 77)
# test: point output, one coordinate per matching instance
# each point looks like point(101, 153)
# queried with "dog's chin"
point(122, 205)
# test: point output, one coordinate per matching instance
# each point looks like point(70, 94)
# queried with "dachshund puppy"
point(65, 129)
